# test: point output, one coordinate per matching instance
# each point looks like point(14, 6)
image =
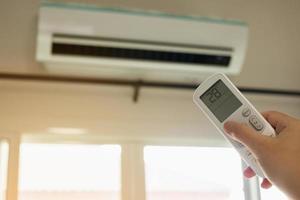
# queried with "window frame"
point(4, 158)
point(133, 185)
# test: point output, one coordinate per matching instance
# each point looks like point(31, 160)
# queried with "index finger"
point(278, 120)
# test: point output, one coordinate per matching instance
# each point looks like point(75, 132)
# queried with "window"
point(69, 172)
point(4, 148)
point(192, 173)
point(79, 172)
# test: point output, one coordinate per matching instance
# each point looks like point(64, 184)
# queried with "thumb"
point(247, 136)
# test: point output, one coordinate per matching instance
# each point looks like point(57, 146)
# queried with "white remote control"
point(221, 101)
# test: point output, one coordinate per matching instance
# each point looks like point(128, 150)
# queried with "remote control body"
point(221, 101)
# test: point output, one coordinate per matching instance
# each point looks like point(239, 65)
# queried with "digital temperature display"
point(220, 100)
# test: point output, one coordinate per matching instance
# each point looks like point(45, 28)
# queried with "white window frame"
point(4, 153)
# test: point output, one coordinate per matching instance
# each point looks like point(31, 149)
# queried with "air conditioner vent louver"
point(139, 54)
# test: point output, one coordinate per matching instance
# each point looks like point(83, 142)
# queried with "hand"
point(279, 157)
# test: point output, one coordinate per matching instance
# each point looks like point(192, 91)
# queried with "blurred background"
point(80, 125)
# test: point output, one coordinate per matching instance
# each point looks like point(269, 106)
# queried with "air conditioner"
point(133, 44)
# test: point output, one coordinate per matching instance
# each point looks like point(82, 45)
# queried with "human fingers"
point(278, 120)
point(249, 173)
point(241, 132)
point(266, 184)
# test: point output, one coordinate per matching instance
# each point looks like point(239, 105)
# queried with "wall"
point(108, 112)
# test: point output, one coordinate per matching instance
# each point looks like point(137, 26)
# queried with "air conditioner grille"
point(140, 54)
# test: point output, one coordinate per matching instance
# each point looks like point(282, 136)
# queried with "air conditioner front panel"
point(124, 41)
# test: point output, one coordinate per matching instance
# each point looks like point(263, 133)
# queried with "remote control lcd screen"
point(220, 100)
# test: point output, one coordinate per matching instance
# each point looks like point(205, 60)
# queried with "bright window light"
point(69, 172)
point(192, 173)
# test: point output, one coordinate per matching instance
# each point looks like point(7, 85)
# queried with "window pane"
point(192, 173)
point(4, 148)
point(69, 172)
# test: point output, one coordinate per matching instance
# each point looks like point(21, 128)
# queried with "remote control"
point(221, 101)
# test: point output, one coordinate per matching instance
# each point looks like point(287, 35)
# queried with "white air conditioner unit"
point(117, 43)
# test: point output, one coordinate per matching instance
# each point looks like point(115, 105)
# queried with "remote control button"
point(246, 112)
point(257, 125)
